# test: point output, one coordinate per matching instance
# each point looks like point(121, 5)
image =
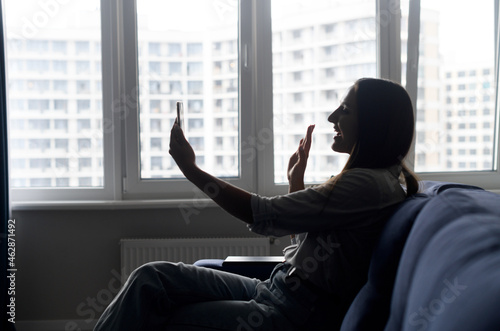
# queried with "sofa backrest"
point(371, 309)
point(455, 238)
point(456, 282)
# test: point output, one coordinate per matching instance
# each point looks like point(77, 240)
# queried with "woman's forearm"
point(234, 200)
point(296, 185)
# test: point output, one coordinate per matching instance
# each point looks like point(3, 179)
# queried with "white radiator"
point(136, 252)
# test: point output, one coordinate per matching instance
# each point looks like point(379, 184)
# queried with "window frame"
point(133, 186)
point(25, 197)
point(487, 179)
point(121, 157)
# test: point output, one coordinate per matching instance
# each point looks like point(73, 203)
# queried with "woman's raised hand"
point(298, 162)
point(181, 150)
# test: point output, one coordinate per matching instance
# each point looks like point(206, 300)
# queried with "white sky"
point(461, 21)
point(187, 15)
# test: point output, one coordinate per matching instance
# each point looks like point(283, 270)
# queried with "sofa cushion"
point(446, 208)
point(456, 284)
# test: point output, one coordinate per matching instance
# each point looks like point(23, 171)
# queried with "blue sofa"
point(436, 266)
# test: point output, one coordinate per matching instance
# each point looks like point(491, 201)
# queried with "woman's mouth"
point(339, 133)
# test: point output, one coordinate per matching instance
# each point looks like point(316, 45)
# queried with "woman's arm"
point(297, 166)
point(231, 198)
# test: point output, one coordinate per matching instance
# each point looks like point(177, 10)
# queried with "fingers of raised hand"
point(308, 138)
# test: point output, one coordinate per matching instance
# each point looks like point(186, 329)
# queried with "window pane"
point(189, 56)
point(320, 48)
point(52, 54)
point(456, 87)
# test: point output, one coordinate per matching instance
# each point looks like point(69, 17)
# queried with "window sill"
point(113, 205)
point(124, 204)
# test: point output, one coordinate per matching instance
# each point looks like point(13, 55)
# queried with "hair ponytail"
point(411, 180)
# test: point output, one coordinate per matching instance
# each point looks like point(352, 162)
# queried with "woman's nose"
point(332, 117)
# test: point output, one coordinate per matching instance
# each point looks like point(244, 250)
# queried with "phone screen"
point(180, 114)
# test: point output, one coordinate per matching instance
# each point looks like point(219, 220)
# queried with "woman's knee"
point(153, 270)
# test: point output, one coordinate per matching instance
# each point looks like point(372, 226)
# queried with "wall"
point(68, 261)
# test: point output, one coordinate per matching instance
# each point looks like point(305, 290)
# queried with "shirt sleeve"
point(347, 202)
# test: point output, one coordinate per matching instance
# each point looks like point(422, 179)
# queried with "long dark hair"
point(386, 126)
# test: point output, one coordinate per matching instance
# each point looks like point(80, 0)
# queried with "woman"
point(337, 225)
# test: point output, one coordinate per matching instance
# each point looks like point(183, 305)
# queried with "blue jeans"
point(176, 296)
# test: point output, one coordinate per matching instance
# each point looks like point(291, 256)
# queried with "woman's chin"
point(338, 148)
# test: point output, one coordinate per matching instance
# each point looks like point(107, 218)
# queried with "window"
point(174, 49)
point(200, 56)
point(59, 46)
point(82, 106)
point(194, 68)
point(249, 90)
point(55, 63)
point(61, 86)
point(34, 46)
point(194, 49)
point(61, 105)
point(175, 68)
point(61, 124)
point(59, 66)
point(82, 86)
point(82, 47)
point(459, 67)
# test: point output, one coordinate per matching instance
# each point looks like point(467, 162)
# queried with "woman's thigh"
point(228, 315)
point(186, 284)
point(267, 309)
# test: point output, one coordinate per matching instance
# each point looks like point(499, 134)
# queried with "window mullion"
point(389, 40)
point(496, 160)
point(263, 96)
point(126, 103)
point(412, 64)
point(112, 128)
point(247, 101)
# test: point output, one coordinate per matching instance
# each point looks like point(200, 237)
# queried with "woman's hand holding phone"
point(180, 149)
point(180, 115)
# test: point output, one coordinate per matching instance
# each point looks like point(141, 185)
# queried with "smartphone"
point(180, 114)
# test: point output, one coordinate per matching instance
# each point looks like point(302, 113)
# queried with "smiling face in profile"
point(345, 123)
